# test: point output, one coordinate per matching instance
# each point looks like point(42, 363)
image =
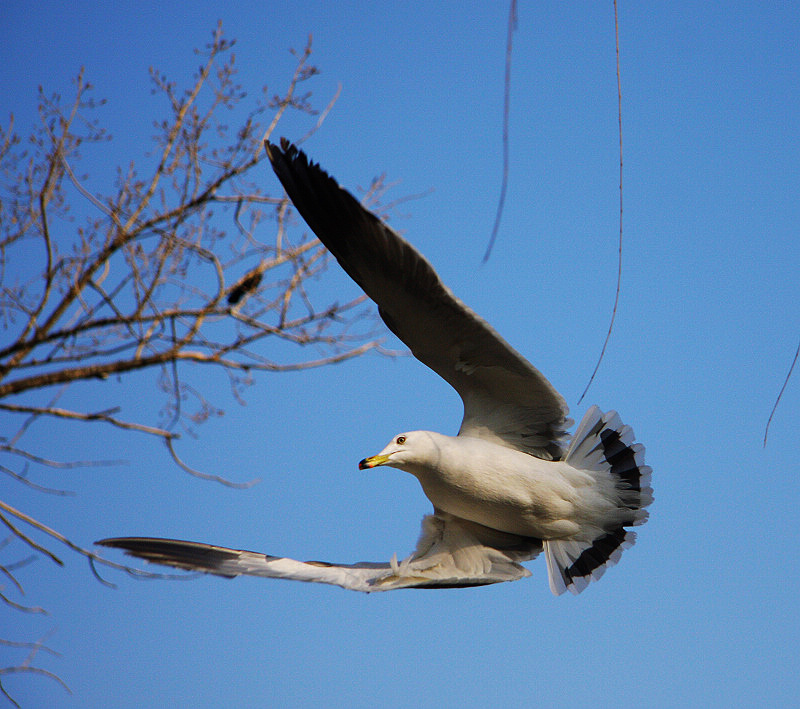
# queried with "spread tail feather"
point(602, 443)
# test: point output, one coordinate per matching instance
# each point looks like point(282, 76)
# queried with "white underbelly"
point(540, 503)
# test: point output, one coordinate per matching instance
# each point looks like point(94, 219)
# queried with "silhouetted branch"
point(780, 393)
point(619, 245)
point(512, 25)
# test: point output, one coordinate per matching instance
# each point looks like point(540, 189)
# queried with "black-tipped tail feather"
point(602, 443)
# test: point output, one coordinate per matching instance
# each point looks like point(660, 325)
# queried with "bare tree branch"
point(26, 666)
point(180, 259)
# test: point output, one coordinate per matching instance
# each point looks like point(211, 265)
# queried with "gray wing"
point(505, 398)
point(451, 552)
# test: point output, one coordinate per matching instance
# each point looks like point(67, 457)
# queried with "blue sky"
point(702, 611)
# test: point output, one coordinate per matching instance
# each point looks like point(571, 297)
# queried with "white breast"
point(504, 489)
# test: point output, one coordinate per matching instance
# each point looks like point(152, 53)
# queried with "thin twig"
point(619, 247)
point(206, 476)
point(61, 538)
point(6, 571)
point(28, 669)
point(19, 607)
point(38, 646)
point(41, 488)
point(104, 416)
point(512, 25)
point(24, 537)
point(62, 465)
point(287, 100)
point(322, 116)
point(780, 393)
point(26, 666)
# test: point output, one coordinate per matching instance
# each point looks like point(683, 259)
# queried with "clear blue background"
point(703, 610)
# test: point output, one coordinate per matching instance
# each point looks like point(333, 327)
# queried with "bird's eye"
point(401, 440)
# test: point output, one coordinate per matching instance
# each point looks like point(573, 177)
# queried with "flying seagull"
point(510, 485)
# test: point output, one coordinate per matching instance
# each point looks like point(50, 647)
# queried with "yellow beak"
point(373, 461)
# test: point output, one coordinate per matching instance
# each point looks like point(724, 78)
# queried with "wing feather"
point(506, 399)
point(451, 552)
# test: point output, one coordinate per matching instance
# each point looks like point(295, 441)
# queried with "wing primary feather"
point(450, 553)
point(506, 399)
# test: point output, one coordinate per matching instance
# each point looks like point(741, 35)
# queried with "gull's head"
point(404, 450)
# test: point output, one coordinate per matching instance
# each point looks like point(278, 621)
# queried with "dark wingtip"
point(273, 151)
point(126, 543)
point(287, 149)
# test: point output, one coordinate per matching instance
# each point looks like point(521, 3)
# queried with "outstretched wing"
point(451, 552)
point(505, 398)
